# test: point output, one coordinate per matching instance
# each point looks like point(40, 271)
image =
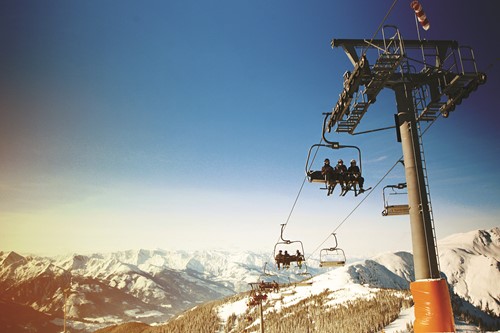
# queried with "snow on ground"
point(137, 313)
point(238, 308)
point(105, 319)
point(470, 262)
point(406, 316)
point(346, 284)
point(460, 326)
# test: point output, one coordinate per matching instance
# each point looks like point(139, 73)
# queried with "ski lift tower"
point(429, 78)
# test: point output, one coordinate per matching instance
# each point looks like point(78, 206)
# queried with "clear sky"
point(186, 125)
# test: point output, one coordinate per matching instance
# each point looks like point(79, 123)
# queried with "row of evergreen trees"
point(314, 314)
point(483, 317)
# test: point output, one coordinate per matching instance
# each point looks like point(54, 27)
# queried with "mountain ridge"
point(150, 285)
point(155, 285)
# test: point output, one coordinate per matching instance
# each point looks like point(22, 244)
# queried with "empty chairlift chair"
point(332, 257)
point(390, 208)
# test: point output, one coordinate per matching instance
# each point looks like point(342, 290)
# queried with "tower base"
point(433, 311)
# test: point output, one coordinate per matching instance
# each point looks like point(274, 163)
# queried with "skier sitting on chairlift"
point(279, 259)
point(299, 258)
point(286, 260)
point(329, 174)
point(354, 175)
point(341, 172)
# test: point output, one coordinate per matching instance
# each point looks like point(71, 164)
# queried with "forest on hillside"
point(309, 315)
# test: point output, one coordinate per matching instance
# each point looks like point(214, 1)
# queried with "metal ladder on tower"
point(427, 189)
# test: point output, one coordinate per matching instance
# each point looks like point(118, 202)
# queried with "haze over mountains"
point(154, 285)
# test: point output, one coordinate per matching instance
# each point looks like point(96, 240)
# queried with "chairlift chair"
point(333, 256)
point(256, 296)
point(315, 176)
point(268, 281)
point(394, 209)
point(306, 281)
point(281, 250)
point(266, 274)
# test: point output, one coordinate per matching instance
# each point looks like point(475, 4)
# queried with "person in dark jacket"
point(279, 259)
point(341, 171)
point(286, 260)
point(330, 177)
point(354, 175)
point(299, 257)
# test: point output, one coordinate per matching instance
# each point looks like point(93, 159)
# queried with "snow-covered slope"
point(359, 280)
point(471, 262)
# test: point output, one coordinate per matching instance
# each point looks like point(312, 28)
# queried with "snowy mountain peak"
point(471, 264)
point(388, 270)
point(488, 241)
point(10, 258)
point(77, 262)
point(478, 242)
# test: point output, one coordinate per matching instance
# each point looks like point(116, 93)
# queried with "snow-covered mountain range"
point(153, 285)
point(146, 285)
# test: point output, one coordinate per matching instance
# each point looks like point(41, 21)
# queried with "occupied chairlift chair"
point(299, 259)
point(316, 176)
point(333, 256)
point(256, 296)
point(399, 209)
point(285, 245)
point(268, 281)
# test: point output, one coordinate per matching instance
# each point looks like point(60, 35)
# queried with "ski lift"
point(349, 184)
point(306, 281)
point(395, 209)
point(333, 256)
point(256, 296)
point(284, 259)
point(265, 274)
point(269, 286)
point(268, 281)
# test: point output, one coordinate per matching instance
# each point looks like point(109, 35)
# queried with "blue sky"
point(186, 124)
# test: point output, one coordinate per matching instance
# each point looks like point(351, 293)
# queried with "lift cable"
point(301, 186)
point(296, 199)
point(354, 209)
point(305, 178)
point(314, 156)
point(367, 195)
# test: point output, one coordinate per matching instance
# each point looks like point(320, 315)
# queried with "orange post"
point(433, 311)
